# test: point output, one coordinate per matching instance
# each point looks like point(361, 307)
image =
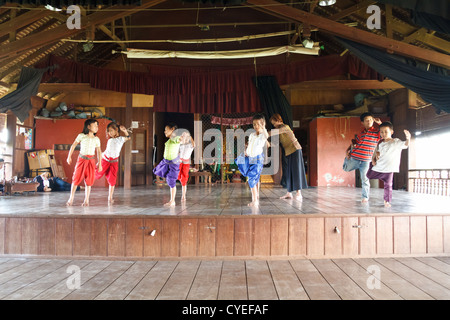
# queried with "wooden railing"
point(430, 181)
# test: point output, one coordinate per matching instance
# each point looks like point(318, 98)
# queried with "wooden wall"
point(306, 236)
point(329, 139)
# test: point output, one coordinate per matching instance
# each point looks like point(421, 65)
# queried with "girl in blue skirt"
point(169, 167)
point(251, 164)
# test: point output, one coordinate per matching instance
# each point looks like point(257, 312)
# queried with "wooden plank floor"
point(345, 279)
point(228, 199)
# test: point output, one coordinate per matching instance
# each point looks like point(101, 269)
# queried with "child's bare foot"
point(85, 204)
point(254, 204)
point(69, 203)
point(286, 196)
point(170, 204)
point(387, 204)
point(111, 201)
point(183, 198)
point(364, 200)
point(298, 197)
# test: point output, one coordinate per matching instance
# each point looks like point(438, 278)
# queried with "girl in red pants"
point(110, 157)
point(186, 148)
point(85, 167)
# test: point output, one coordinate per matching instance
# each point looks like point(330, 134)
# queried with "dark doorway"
point(182, 120)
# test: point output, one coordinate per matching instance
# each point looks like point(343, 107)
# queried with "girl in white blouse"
point(186, 147)
point(110, 157)
point(251, 164)
point(85, 166)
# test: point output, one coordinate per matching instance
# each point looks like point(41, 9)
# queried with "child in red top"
point(359, 154)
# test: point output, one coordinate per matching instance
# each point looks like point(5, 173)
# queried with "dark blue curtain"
point(274, 101)
point(19, 101)
point(433, 85)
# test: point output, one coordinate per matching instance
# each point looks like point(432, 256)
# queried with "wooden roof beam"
point(60, 32)
point(21, 21)
point(61, 87)
point(350, 10)
point(354, 34)
point(343, 85)
point(413, 34)
point(102, 27)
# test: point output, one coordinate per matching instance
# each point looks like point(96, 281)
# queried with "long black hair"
point(172, 125)
point(87, 123)
point(259, 116)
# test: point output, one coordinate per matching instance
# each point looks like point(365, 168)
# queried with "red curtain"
point(204, 90)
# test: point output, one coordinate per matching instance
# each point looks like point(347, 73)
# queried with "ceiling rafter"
point(411, 33)
point(402, 29)
point(21, 21)
point(354, 34)
point(49, 36)
point(101, 27)
point(351, 10)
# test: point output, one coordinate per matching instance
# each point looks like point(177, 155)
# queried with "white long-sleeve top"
point(113, 147)
point(255, 145)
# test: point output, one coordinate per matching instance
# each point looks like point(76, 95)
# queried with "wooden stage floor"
point(216, 223)
point(221, 200)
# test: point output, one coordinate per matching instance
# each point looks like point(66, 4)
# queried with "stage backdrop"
point(204, 90)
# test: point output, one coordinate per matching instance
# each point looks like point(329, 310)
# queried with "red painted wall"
point(329, 139)
point(64, 131)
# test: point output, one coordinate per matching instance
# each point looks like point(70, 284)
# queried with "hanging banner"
point(231, 121)
point(233, 54)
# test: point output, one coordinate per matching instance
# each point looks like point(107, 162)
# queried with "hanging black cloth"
point(274, 101)
point(434, 15)
point(19, 101)
point(432, 85)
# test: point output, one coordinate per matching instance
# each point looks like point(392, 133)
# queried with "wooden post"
point(198, 151)
point(127, 158)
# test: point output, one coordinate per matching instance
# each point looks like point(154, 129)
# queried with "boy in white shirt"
point(386, 159)
point(251, 164)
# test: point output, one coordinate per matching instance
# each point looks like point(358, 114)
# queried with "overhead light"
point(324, 3)
point(51, 8)
point(88, 46)
point(204, 27)
point(308, 43)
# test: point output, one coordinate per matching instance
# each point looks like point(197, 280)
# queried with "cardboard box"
point(36, 172)
point(40, 159)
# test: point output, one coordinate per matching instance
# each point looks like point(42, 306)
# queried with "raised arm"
point(278, 131)
point(408, 137)
point(125, 131)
